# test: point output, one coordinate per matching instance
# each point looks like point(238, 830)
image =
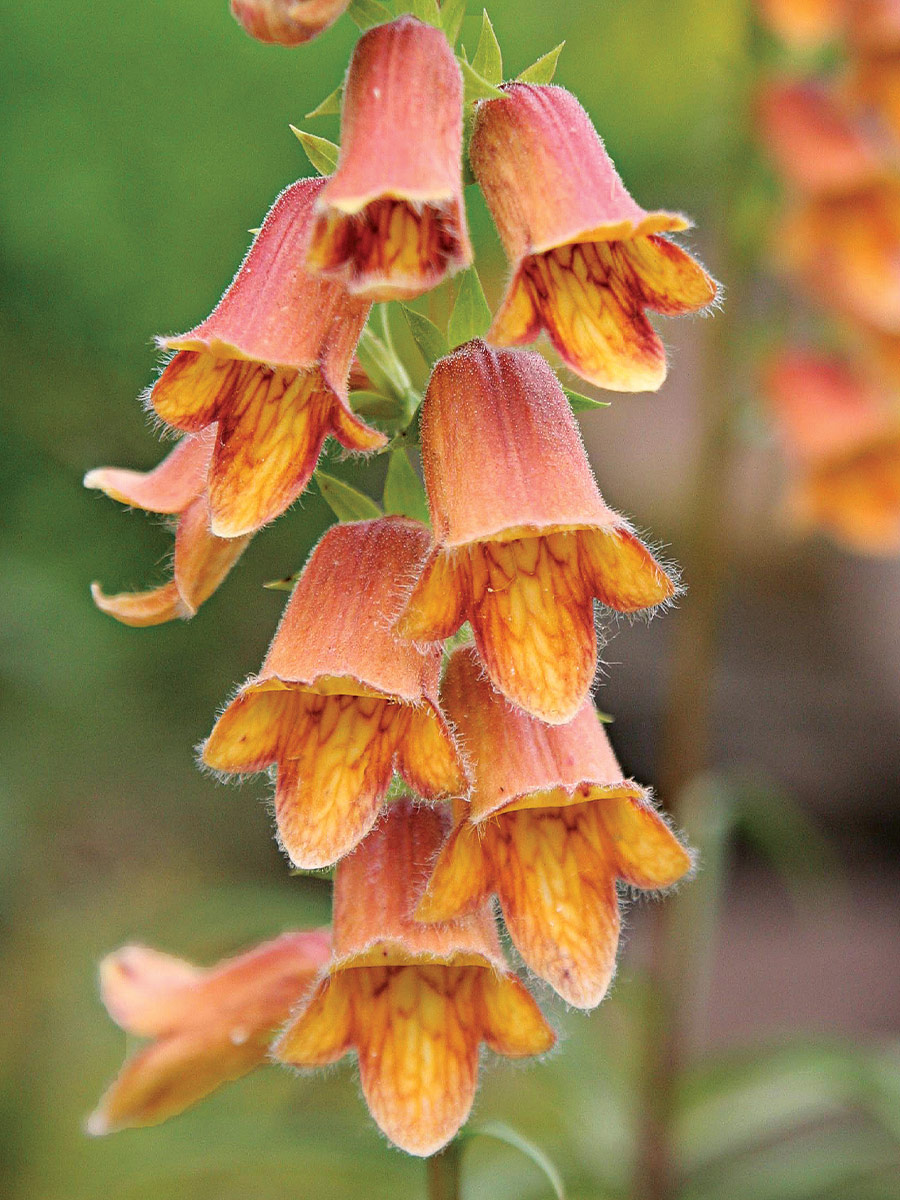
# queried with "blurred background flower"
point(139, 146)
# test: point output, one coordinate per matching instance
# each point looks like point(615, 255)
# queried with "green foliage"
point(452, 14)
point(471, 316)
point(475, 86)
point(543, 70)
point(488, 60)
point(501, 1132)
point(322, 154)
point(432, 344)
point(428, 11)
point(403, 490)
point(345, 501)
point(329, 107)
point(366, 13)
point(580, 403)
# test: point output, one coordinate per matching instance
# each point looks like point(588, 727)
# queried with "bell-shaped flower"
point(341, 700)
point(287, 22)
point(815, 143)
point(524, 541)
point(391, 222)
point(551, 826)
point(207, 1026)
point(176, 487)
point(270, 365)
point(587, 260)
point(842, 437)
point(414, 1001)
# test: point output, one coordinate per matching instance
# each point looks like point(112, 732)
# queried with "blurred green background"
point(140, 142)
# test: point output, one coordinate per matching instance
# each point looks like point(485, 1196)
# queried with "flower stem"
point(444, 1174)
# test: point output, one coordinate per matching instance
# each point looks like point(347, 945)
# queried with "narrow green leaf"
point(366, 13)
point(604, 718)
point(427, 11)
point(475, 87)
point(330, 105)
point(321, 153)
point(281, 585)
point(431, 342)
point(544, 69)
point(488, 60)
point(373, 404)
point(471, 316)
point(452, 13)
point(581, 403)
point(403, 490)
point(344, 500)
point(501, 1132)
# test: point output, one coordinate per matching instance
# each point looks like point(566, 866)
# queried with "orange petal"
point(253, 730)
point(533, 620)
point(461, 879)
point(644, 850)
point(322, 1032)
point(147, 992)
point(670, 281)
point(168, 488)
point(143, 608)
point(418, 1032)
point(558, 897)
point(856, 499)
point(621, 571)
point(513, 1025)
point(427, 757)
point(195, 386)
point(334, 776)
point(436, 607)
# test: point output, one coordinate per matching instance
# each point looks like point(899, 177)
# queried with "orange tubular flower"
point(209, 1026)
point(341, 700)
point(391, 221)
point(804, 22)
point(814, 143)
point(844, 440)
point(270, 365)
point(587, 260)
point(414, 1001)
point(552, 824)
point(202, 560)
point(524, 539)
point(286, 22)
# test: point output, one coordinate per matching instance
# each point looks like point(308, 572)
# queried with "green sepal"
point(488, 60)
point(374, 404)
point(544, 69)
point(580, 403)
point(432, 344)
point(404, 494)
point(330, 105)
point(322, 154)
point(471, 316)
point(427, 11)
point(366, 13)
point(345, 501)
point(452, 13)
point(475, 87)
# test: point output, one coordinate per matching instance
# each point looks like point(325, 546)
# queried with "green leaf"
point(604, 718)
point(330, 105)
point(344, 500)
point(374, 404)
point(452, 13)
point(427, 11)
point(580, 403)
point(475, 87)
point(366, 13)
point(488, 60)
point(321, 153)
point(431, 342)
point(281, 585)
point(403, 490)
point(544, 69)
point(471, 316)
point(501, 1132)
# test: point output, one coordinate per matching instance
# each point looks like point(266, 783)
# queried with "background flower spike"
point(413, 1001)
point(587, 260)
point(209, 1026)
point(202, 560)
point(341, 700)
point(524, 539)
point(391, 221)
point(270, 365)
point(286, 22)
point(551, 826)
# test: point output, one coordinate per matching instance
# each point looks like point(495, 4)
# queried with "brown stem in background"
point(444, 1177)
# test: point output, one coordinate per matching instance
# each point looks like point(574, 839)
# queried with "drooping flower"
point(287, 22)
point(845, 250)
point(341, 700)
point(804, 23)
point(176, 487)
point(414, 1001)
point(843, 439)
point(551, 826)
point(391, 222)
point(208, 1025)
point(587, 260)
point(524, 541)
point(815, 143)
point(270, 365)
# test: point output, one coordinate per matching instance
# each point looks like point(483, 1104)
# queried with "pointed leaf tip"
point(543, 70)
point(488, 60)
point(452, 13)
point(431, 342)
point(345, 501)
point(471, 316)
point(322, 154)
